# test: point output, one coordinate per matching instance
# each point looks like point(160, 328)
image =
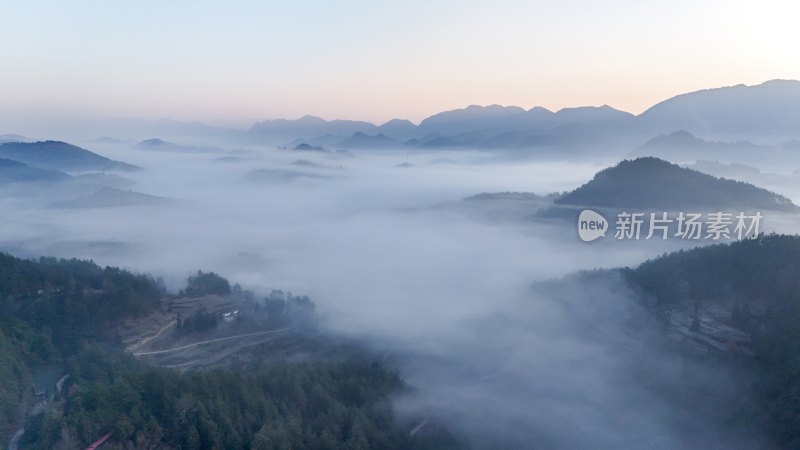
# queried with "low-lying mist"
point(384, 248)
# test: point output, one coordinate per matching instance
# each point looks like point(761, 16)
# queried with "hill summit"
point(652, 183)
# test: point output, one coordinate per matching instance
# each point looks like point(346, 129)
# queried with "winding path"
point(209, 341)
point(148, 339)
point(13, 444)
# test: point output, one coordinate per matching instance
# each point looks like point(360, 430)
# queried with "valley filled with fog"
point(445, 254)
point(399, 225)
point(395, 255)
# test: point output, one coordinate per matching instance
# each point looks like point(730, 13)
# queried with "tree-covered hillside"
point(64, 313)
point(72, 300)
point(57, 155)
point(16, 172)
point(49, 309)
point(284, 406)
point(764, 270)
point(654, 184)
point(758, 281)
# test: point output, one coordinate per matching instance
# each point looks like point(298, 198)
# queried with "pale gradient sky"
point(376, 60)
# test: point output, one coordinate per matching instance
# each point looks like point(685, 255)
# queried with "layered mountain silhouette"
point(768, 113)
point(109, 197)
point(309, 127)
point(718, 169)
point(17, 172)
point(57, 155)
point(62, 190)
point(506, 119)
point(769, 110)
point(471, 127)
point(654, 184)
point(4, 138)
point(684, 146)
point(399, 129)
point(165, 146)
point(87, 187)
point(363, 140)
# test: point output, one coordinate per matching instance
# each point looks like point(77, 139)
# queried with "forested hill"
point(72, 299)
point(49, 309)
point(764, 270)
point(60, 315)
point(655, 184)
point(758, 282)
point(57, 155)
point(12, 171)
point(342, 405)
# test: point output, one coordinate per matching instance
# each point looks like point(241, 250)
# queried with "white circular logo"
point(591, 225)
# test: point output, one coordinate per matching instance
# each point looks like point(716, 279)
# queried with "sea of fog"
point(383, 245)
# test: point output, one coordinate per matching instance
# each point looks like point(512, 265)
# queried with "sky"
point(254, 60)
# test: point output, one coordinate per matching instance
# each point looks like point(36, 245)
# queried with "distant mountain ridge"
point(474, 126)
point(362, 140)
point(504, 119)
point(769, 111)
point(684, 146)
point(4, 138)
point(309, 127)
point(162, 145)
point(108, 197)
point(764, 114)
